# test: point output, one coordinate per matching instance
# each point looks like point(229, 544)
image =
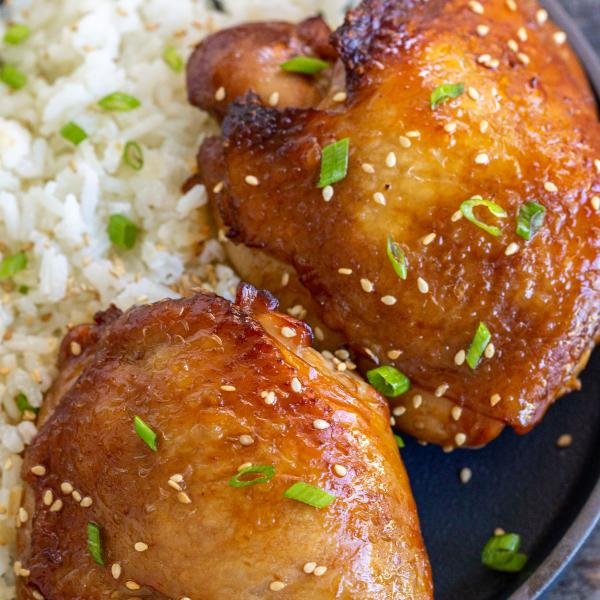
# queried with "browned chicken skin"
point(525, 129)
point(221, 385)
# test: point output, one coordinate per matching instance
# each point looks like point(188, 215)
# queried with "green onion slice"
point(446, 91)
point(133, 155)
point(73, 133)
point(13, 263)
point(309, 65)
point(119, 101)
point(334, 162)
point(267, 471)
point(397, 257)
point(530, 219)
point(173, 59)
point(309, 494)
point(94, 542)
point(16, 34)
point(501, 553)
point(478, 345)
point(122, 232)
point(12, 77)
point(388, 381)
point(145, 432)
point(23, 289)
point(22, 403)
point(466, 208)
point(399, 441)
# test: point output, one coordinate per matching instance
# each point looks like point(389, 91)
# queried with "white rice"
point(56, 198)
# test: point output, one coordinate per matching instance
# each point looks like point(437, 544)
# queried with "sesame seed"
point(340, 97)
point(23, 515)
point(344, 271)
point(115, 570)
point(482, 30)
point(37, 595)
point(511, 5)
point(422, 285)
point(513, 45)
point(388, 300)
point(565, 440)
point(340, 470)
point(220, 94)
point(456, 412)
point(482, 159)
point(56, 505)
point(66, 488)
point(541, 16)
point(459, 358)
point(447, 449)
point(367, 285)
point(440, 390)
point(274, 99)
point(379, 198)
point(86, 502)
point(48, 498)
point(413, 134)
point(24, 573)
point(428, 239)
point(321, 424)
point(390, 160)
point(473, 93)
point(483, 126)
point(522, 34)
point(511, 249)
point(523, 58)
point(140, 547)
point(550, 187)
point(219, 187)
point(394, 354)
point(296, 385)
point(309, 567)
point(327, 193)
point(597, 164)
point(456, 216)
point(75, 348)
point(184, 498)
point(490, 350)
point(228, 388)
point(320, 571)
point(405, 141)
point(269, 398)
point(176, 477)
point(174, 485)
point(38, 470)
point(460, 439)
point(246, 440)
point(559, 37)
point(476, 7)
point(285, 279)
point(417, 400)
point(465, 475)
point(288, 332)
point(132, 585)
point(450, 127)
point(276, 586)
point(484, 59)
point(494, 399)
point(368, 168)
point(499, 531)
point(319, 334)
point(398, 411)
point(251, 180)
point(595, 202)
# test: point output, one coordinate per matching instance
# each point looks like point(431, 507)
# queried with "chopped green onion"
point(268, 472)
point(501, 553)
point(309, 65)
point(119, 101)
point(73, 133)
point(309, 494)
point(13, 263)
point(16, 34)
point(122, 232)
point(133, 155)
point(399, 441)
point(22, 403)
point(388, 381)
point(530, 219)
point(23, 289)
point(478, 345)
point(145, 433)
point(446, 91)
point(94, 542)
point(466, 208)
point(173, 59)
point(397, 257)
point(334, 162)
point(12, 77)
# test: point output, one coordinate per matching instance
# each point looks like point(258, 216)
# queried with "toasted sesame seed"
point(269, 398)
point(178, 477)
point(476, 7)
point(459, 358)
point(86, 502)
point(24, 573)
point(276, 586)
point(511, 249)
point(37, 595)
point(218, 187)
point(285, 279)
point(184, 498)
point(393, 354)
point(465, 475)
point(66, 488)
point(422, 285)
point(320, 571)
point(140, 547)
point(597, 164)
point(450, 127)
point(340, 97)
point(456, 216)
point(550, 187)
point(244, 466)
point(565, 440)
point(483, 126)
point(440, 390)
point(309, 567)
point(48, 498)
point(447, 448)
point(595, 202)
point(228, 388)
point(296, 385)
point(473, 93)
point(274, 99)
point(23, 515)
point(174, 485)
point(38, 470)
point(367, 285)
point(379, 198)
point(456, 412)
point(417, 400)
point(405, 141)
point(246, 440)
point(541, 16)
point(368, 168)
point(344, 271)
point(482, 159)
point(75, 348)
point(428, 239)
point(484, 59)
point(340, 470)
point(413, 134)
point(321, 424)
point(513, 45)
point(288, 332)
point(390, 160)
point(132, 585)
point(319, 334)
point(398, 411)
point(389, 300)
point(559, 37)
point(482, 30)
point(220, 94)
point(511, 5)
point(494, 399)
point(460, 439)
point(522, 34)
point(56, 505)
point(524, 58)
point(327, 193)
point(499, 531)
point(490, 350)
point(251, 180)
point(115, 570)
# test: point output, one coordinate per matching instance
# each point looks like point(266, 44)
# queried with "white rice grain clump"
point(56, 198)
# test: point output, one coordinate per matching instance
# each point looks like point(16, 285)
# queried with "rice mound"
point(56, 198)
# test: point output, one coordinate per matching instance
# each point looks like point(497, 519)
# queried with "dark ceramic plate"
point(522, 484)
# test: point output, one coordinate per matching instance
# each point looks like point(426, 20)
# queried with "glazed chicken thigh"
point(461, 242)
point(227, 395)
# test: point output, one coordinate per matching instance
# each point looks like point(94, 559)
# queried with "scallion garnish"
point(73, 133)
point(446, 91)
point(478, 345)
point(530, 219)
point(388, 381)
point(173, 59)
point(309, 65)
point(22, 403)
point(12, 77)
point(13, 263)
point(145, 432)
point(94, 542)
point(267, 473)
point(309, 494)
point(122, 232)
point(23, 289)
point(397, 257)
point(466, 208)
point(334, 162)
point(399, 441)
point(16, 34)
point(119, 101)
point(501, 553)
point(133, 155)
